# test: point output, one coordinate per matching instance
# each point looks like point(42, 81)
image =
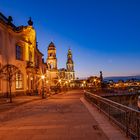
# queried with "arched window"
point(19, 80)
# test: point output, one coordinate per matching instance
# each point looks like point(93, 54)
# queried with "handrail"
point(128, 119)
point(121, 105)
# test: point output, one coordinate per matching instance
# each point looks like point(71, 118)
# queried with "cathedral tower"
point(70, 66)
point(52, 64)
point(52, 60)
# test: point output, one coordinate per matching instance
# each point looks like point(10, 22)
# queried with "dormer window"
point(19, 52)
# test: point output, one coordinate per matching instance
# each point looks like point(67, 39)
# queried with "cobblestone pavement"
point(62, 117)
point(5, 104)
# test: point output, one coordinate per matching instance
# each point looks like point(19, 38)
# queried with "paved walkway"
point(17, 101)
point(61, 117)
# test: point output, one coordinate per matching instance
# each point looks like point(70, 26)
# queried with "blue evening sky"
point(103, 34)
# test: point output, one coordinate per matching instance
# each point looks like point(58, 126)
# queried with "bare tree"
point(8, 73)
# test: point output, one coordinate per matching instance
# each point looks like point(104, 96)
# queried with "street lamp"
point(84, 84)
point(47, 87)
point(59, 80)
point(42, 77)
point(95, 80)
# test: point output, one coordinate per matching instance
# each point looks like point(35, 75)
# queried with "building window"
point(19, 52)
point(19, 80)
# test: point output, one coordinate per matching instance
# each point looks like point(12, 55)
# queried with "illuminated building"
point(53, 73)
point(18, 46)
point(70, 74)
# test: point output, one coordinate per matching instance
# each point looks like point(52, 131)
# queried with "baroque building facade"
point(18, 47)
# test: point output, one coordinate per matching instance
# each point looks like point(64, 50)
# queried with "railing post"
point(99, 106)
point(138, 127)
point(109, 111)
point(127, 123)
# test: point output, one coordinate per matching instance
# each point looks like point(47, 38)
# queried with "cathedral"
point(55, 75)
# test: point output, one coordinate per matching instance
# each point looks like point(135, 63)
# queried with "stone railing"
point(126, 118)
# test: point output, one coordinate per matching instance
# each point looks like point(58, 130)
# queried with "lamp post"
point(84, 84)
point(47, 86)
point(67, 85)
point(42, 77)
point(59, 85)
point(95, 83)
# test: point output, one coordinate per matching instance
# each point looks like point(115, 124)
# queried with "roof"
point(51, 46)
point(8, 22)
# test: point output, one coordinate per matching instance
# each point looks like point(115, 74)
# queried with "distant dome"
point(51, 46)
point(69, 51)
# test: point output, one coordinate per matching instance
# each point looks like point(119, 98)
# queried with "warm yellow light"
point(84, 82)
point(59, 80)
point(95, 80)
point(47, 81)
point(66, 82)
point(42, 76)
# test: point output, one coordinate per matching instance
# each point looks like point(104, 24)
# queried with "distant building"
point(54, 75)
point(52, 72)
point(70, 74)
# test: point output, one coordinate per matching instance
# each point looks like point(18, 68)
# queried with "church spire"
point(70, 64)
